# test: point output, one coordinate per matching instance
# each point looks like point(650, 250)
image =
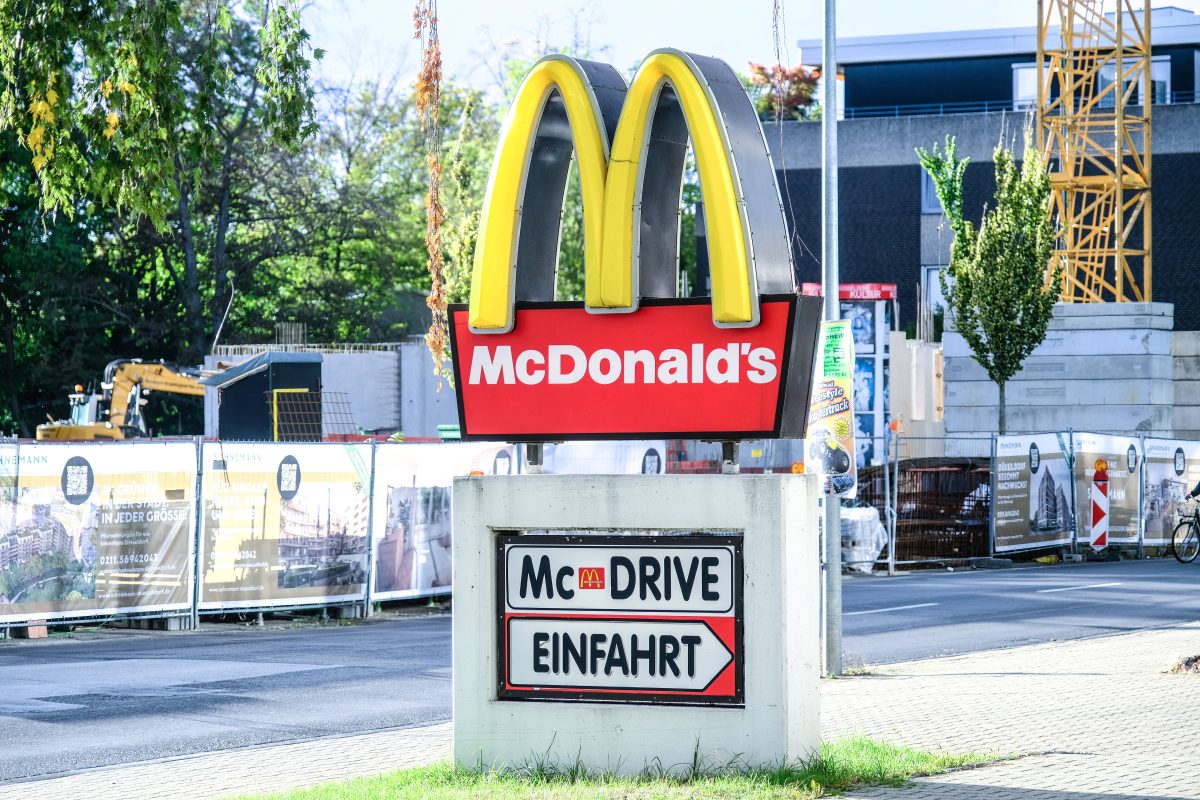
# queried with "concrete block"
point(1185, 343)
point(1070, 368)
point(936, 238)
point(1187, 393)
point(1187, 417)
point(777, 722)
point(1117, 391)
point(1129, 341)
point(1147, 419)
point(1186, 368)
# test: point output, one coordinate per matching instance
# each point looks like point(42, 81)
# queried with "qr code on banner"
point(77, 480)
point(287, 477)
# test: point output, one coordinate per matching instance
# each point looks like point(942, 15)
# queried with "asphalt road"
point(127, 696)
point(923, 614)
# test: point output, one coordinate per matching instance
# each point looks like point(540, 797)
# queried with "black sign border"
point(557, 695)
point(797, 368)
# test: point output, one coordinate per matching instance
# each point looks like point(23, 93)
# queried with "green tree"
point(1001, 284)
point(148, 107)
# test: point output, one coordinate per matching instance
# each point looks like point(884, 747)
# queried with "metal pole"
point(889, 514)
point(197, 531)
point(829, 280)
point(1141, 517)
point(992, 501)
point(369, 588)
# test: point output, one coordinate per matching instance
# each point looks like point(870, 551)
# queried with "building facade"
point(904, 92)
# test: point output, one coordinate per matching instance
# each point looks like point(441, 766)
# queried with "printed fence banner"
point(1033, 492)
point(830, 437)
point(1122, 456)
point(284, 524)
point(94, 528)
point(1171, 470)
point(412, 525)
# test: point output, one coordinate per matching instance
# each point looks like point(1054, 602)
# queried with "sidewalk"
point(1091, 720)
point(1094, 719)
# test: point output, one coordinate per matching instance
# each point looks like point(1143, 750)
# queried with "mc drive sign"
point(620, 618)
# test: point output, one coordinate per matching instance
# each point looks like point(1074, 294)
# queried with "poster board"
point(92, 529)
point(1170, 470)
point(284, 524)
point(1033, 507)
point(1124, 457)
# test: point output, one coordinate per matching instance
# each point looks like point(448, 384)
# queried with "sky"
point(367, 39)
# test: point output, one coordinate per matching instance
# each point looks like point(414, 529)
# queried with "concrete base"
point(779, 721)
point(1102, 366)
point(182, 623)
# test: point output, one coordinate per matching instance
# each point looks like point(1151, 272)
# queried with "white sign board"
point(636, 618)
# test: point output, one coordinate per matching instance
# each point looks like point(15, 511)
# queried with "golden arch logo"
point(630, 144)
point(530, 368)
point(591, 577)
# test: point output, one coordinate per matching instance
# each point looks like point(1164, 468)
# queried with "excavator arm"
point(126, 379)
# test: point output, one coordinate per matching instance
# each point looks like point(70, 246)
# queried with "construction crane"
point(126, 382)
point(1094, 100)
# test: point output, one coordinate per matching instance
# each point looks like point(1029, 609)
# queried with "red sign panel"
point(664, 370)
point(855, 291)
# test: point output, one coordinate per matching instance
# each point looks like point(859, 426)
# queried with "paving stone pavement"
point(1096, 719)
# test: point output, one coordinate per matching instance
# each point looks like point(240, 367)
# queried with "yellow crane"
point(126, 381)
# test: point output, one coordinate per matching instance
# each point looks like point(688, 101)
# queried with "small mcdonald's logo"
point(591, 577)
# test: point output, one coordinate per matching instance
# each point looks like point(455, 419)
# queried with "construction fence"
point(947, 500)
point(190, 527)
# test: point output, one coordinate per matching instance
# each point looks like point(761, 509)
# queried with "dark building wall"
point(879, 211)
point(957, 80)
point(1175, 205)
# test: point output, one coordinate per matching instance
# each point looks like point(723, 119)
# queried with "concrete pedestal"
point(776, 518)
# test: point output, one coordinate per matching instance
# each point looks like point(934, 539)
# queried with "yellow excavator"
point(126, 382)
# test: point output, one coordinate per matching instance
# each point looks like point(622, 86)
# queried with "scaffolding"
point(1094, 101)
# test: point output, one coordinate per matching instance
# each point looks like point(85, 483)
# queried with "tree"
point(1001, 284)
point(148, 107)
point(782, 93)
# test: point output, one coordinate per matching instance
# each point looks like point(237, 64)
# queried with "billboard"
point(411, 532)
point(1170, 470)
point(90, 529)
point(632, 360)
point(1122, 457)
point(1033, 506)
point(284, 524)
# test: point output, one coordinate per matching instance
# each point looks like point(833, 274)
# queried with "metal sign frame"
point(654, 697)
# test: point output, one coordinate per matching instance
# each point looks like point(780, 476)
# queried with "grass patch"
point(840, 765)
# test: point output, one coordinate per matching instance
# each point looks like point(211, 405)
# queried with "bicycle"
point(1185, 541)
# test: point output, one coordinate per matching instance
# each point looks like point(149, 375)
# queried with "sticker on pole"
point(620, 618)
point(829, 441)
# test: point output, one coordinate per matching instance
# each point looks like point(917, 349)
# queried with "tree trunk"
point(1002, 421)
point(191, 275)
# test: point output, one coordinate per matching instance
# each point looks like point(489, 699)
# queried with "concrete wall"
point(1185, 351)
point(1103, 367)
point(422, 406)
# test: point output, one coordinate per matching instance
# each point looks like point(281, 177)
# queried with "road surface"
point(131, 696)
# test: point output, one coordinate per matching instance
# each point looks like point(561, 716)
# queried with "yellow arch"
point(492, 275)
point(610, 284)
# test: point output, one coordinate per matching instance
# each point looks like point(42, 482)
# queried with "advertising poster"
point(412, 525)
point(1033, 492)
point(284, 524)
point(96, 528)
point(1123, 456)
point(1172, 469)
point(869, 308)
point(830, 437)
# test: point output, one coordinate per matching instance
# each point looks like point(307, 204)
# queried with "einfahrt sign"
point(620, 618)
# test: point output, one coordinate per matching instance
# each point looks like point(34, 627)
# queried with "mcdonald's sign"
point(632, 359)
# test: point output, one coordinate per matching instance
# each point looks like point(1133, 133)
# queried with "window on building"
point(1160, 83)
point(929, 199)
point(1024, 86)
